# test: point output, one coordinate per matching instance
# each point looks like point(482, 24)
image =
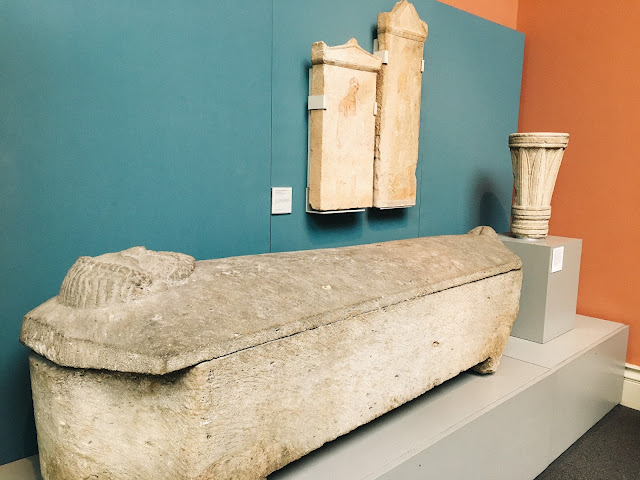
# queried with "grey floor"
point(610, 450)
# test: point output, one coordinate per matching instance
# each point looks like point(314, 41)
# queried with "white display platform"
point(510, 425)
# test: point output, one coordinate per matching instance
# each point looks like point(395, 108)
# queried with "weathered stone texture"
point(342, 136)
point(120, 277)
point(270, 356)
point(536, 159)
point(402, 34)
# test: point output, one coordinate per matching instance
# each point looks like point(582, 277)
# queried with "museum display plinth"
point(549, 291)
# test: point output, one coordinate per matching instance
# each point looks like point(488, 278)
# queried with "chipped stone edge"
point(386, 23)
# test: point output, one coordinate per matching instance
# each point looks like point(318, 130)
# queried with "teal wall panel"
point(165, 123)
point(470, 103)
point(470, 106)
point(123, 123)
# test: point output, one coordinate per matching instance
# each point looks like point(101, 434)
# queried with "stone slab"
point(342, 134)
point(401, 33)
point(549, 298)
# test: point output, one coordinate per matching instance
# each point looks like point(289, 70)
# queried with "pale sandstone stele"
point(402, 34)
point(342, 136)
point(151, 366)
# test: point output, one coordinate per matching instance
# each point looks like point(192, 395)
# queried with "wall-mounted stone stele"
point(402, 34)
point(536, 159)
point(242, 365)
point(342, 135)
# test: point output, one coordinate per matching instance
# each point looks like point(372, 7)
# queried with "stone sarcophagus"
point(149, 365)
point(536, 159)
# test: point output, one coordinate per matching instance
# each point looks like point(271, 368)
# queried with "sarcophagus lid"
point(157, 312)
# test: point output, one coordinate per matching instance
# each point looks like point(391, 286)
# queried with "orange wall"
point(582, 76)
point(504, 12)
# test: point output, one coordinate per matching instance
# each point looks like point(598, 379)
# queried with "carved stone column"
point(536, 159)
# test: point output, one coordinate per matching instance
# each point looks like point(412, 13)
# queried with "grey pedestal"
point(549, 295)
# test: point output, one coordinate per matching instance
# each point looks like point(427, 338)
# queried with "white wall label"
point(280, 200)
point(557, 259)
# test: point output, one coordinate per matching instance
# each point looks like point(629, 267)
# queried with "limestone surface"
point(402, 34)
point(250, 362)
point(536, 159)
point(230, 304)
point(120, 277)
point(342, 135)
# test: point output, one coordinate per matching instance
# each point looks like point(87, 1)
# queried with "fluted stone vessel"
point(536, 159)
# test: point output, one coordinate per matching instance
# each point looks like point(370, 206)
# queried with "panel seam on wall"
point(271, 131)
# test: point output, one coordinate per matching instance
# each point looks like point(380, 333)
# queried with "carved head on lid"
point(122, 277)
